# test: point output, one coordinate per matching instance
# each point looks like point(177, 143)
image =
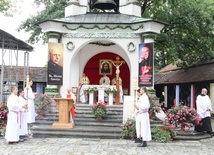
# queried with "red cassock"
point(72, 110)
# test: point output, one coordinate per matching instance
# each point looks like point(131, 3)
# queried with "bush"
point(42, 102)
point(163, 134)
point(128, 129)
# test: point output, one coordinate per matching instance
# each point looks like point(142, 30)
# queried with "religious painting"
point(105, 66)
point(146, 69)
point(55, 64)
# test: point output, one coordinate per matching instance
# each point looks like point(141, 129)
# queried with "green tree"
point(189, 35)
point(53, 9)
point(4, 6)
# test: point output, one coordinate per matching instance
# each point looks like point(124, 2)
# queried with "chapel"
point(97, 31)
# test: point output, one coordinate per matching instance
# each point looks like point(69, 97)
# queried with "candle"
point(135, 84)
point(27, 81)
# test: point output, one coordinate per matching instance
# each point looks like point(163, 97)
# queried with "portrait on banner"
point(105, 66)
point(55, 64)
point(145, 58)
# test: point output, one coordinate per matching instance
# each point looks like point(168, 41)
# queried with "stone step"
point(82, 119)
point(95, 123)
point(64, 134)
point(78, 129)
point(112, 112)
point(195, 137)
point(89, 115)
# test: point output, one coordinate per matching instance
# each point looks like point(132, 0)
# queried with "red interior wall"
point(92, 69)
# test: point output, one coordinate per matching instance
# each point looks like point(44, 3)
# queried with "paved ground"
point(70, 146)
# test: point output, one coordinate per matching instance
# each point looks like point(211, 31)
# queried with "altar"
point(101, 93)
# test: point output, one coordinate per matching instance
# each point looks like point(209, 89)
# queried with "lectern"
point(63, 105)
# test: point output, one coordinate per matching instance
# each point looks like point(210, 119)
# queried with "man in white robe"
point(23, 115)
point(104, 80)
point(30, 96)
point(12, 128)
point(203, 104)
point(143, 129)
point(83, 81)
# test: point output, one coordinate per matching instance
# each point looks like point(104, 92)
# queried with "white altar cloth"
point(100, 88)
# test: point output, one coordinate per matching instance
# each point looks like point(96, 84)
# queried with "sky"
point(39, 56)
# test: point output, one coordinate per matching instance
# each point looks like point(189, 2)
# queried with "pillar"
point(165, 96)
point(177, 94)
point(212, 94)
point(193, 99)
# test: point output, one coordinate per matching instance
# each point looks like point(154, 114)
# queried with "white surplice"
point(203, 104)
point(13, 124)
point(31, 107)
point(23, 118)
point(144, 129)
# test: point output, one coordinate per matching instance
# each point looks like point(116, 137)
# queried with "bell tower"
point(105, 5)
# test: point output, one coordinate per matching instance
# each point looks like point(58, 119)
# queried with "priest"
point(104, 80)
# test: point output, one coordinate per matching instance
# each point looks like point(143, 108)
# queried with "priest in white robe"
point(143, 129)
point(83, 81)
point(23, 115)
point(203, 105)
point(13, 124)
point(30, 96)
point(104, 80)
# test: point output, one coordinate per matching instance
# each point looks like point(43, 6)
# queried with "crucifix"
point(117, 64)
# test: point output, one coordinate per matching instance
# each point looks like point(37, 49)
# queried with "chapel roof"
point(103, 18)
point(193, 74)
point(8, 41)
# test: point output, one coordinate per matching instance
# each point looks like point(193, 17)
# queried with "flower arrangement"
point(111, 89)
point(183, 116)
point(3, 118)
point(99, 109)
point(3, 114)
point(42, 102)
point(91, 89)
point(164, 133)
point(128, 129)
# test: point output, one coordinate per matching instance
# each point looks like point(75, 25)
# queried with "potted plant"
point(3, 118)
point(164, 133)
point(99, 110)
point(183, 116)
point(128, 129)
point(42, 103)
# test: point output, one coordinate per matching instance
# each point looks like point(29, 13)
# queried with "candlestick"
point(27, 81)
point(135, 84)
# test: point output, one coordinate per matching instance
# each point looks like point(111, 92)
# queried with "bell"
point(104, 4)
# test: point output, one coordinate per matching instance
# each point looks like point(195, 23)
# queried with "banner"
point(55, 64)
point(146, 69)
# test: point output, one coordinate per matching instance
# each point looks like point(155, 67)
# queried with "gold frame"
point(101, 62)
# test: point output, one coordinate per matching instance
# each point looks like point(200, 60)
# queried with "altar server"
point(23, 115)
point(12, 129)
point(30, 96)
point(144, 123)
